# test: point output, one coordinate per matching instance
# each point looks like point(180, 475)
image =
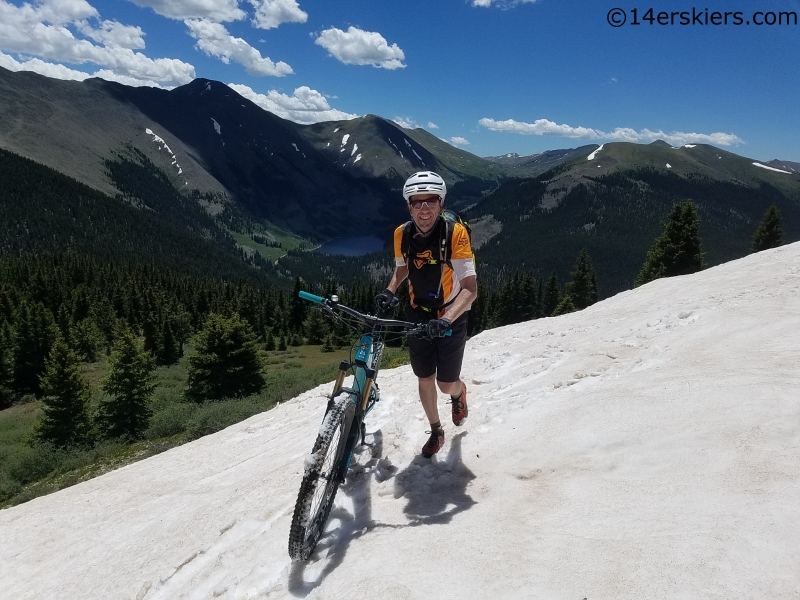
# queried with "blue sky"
point(490, 76)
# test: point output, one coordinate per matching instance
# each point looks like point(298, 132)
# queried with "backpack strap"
point(444, 247)
point(447, 242)
point(405, 241)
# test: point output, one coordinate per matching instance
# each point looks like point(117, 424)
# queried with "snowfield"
point(647, 447)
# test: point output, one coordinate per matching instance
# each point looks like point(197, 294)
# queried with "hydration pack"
point(450, 219)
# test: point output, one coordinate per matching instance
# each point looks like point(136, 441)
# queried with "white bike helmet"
point(424, 182)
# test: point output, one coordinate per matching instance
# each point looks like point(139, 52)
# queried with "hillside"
point(613, 202)
point(203, 135)
point(643, 448)
point(42, 210)
point(374, 147)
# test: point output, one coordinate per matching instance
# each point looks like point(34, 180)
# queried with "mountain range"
point(251, 169)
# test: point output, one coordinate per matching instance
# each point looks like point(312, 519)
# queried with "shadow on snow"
point(435, 490)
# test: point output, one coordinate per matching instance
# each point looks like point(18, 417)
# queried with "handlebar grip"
point(311, 297)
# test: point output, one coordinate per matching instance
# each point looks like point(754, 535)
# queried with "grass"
point(288, 241)
point(29, 470)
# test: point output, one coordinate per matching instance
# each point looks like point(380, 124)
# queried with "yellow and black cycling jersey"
point(434, 279)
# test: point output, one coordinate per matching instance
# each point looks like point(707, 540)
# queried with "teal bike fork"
point(364, 394)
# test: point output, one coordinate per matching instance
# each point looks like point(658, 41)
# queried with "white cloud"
point(432, 125)
point(213, 39)
point(126, 79)
point(406, 122)
point(56, 13)
point(113, 33)
point(214, 10)
point(620, 134)
point(358, 47)
point(43, 31)
point(57, 71)
point(271, 13)
point(305, 106)
point(459, 141)
point(43, 68)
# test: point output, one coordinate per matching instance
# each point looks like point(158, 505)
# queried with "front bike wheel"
point(321, 480)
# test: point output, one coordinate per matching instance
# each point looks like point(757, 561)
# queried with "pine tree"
point(6, 373)
point(583, 287)
point(102, 312)
point(181, 323)
point(677, 250)
point(87, 339)
point(152, 333)
point(282, 343)
point(316, 328)
point(269, 342)
point(168, 352)
point(32, 338)
point(477, 319)
point(552, 295)
point(226, 363)
point(769, 233)
point(341, 334)
point(130, 383)
point(298, 311)
point(565, 306)
point(328, 345)
point(65, 420)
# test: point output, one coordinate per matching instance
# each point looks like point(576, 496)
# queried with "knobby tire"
point(321, 480)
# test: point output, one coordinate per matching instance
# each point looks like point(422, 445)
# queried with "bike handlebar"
point(414, 329)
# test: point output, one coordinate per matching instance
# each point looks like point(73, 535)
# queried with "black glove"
point(439, 327)
point(385, 301)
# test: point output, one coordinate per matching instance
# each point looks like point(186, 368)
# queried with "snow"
point(163, 145)
point(669, 166)
point(335, 130)
point(216, 126)
point(593, 154)
point(689, 145)
point(646, 447)
point(344, 139)
point(358, 158)
point(772, 168)
point(419, 158)
point(295, 147)
point(355, 149)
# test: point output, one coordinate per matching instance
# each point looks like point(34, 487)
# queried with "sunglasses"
point(419, 204)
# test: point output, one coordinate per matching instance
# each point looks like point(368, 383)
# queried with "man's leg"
point(458, 398)
point(450, 354)
point(453, 388)
point(428, 397)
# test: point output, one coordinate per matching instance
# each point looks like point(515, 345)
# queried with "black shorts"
point(442, 356)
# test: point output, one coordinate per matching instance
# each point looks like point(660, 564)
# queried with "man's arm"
point(464, 299)
point(398, 277)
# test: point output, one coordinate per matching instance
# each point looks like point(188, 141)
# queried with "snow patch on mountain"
point(772, 168)
point(163, 146)
point(593, 154)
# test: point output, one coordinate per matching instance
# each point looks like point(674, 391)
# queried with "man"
point(442, 287)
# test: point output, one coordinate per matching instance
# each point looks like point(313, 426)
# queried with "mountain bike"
point(343, 424)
